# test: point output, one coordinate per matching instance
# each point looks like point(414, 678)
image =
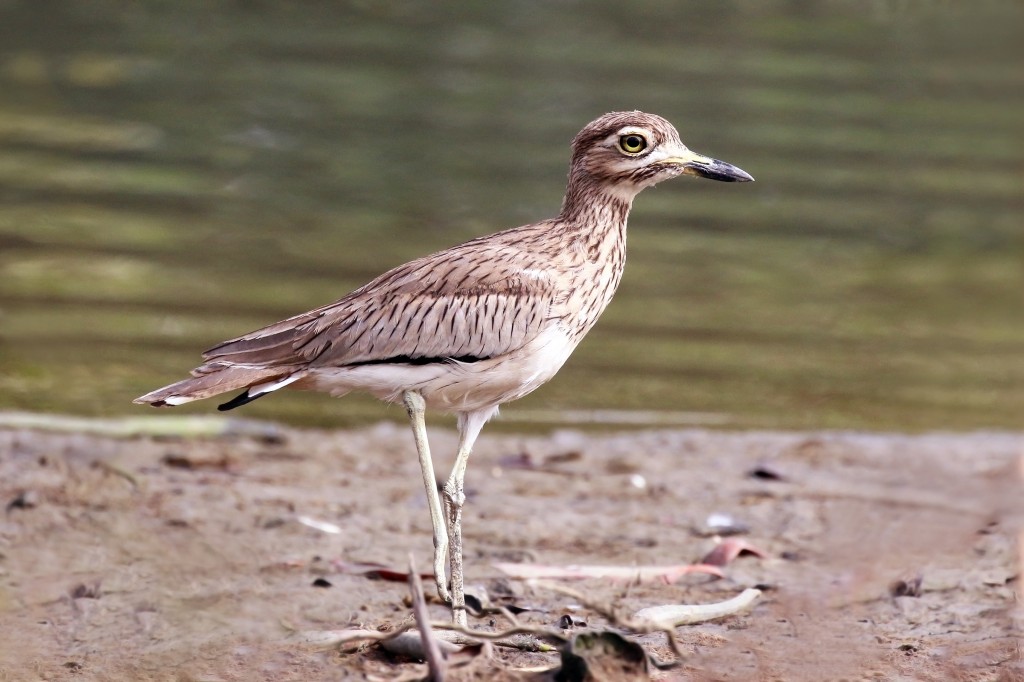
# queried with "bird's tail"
point(216, 378)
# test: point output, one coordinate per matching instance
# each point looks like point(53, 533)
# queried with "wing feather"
point(473, 300)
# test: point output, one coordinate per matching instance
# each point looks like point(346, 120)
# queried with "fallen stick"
point(432, 652)
point(675, 615)
point(656, 619)
point(638, 574)
point(641, 626)
point(454, 636)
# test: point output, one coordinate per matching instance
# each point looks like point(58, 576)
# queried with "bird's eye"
point(632, 143)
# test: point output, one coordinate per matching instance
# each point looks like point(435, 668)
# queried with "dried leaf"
point(410, 645)
point(730, 548)
point(592, 657)
point(568, 621)
point(766, 472)
point(27, 499)
point(375, 571)
point(193, 461)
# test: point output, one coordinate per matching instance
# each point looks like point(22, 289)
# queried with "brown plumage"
point(474, 326)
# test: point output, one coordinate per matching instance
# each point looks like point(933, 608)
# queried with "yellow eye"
point(632, 143)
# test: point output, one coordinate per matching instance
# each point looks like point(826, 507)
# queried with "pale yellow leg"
point(454, 499)
point(416, 407)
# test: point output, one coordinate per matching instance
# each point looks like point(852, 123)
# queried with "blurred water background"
point(176, 173)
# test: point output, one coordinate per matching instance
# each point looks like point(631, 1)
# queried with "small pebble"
point(27, 499)
point(567, 622)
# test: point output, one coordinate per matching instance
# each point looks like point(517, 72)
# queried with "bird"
point(469, 328)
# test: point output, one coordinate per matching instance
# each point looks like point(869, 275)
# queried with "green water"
point(172, 174)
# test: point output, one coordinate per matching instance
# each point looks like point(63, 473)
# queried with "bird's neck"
point(590, 203)
point(597, 213)
point(594, 242)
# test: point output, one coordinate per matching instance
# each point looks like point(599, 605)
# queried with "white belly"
point(454, 386)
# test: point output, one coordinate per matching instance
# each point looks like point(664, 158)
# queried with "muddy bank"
point(156, 558)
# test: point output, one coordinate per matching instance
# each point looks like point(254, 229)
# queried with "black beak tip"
point(722, 171)
point(727, 172)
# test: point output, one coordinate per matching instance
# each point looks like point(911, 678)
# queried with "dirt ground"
point(185, 559)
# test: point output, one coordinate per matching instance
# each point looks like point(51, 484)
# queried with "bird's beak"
point(706, 167)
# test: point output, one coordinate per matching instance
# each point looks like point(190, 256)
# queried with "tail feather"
point(243, 398)
point(215, 378)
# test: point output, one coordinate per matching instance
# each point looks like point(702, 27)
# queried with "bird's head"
point(624, 152)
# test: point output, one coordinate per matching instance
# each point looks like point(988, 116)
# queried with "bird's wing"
point(473, 301)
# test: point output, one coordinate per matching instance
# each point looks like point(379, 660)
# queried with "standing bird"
point(471, 327)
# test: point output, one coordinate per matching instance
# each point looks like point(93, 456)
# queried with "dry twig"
point(659, 619)
point(670, 616)
point(435, 660)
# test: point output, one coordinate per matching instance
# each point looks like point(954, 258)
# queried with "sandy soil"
point(184, 559)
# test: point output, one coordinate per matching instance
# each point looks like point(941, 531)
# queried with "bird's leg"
point(416, 407)
point(470, 424)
